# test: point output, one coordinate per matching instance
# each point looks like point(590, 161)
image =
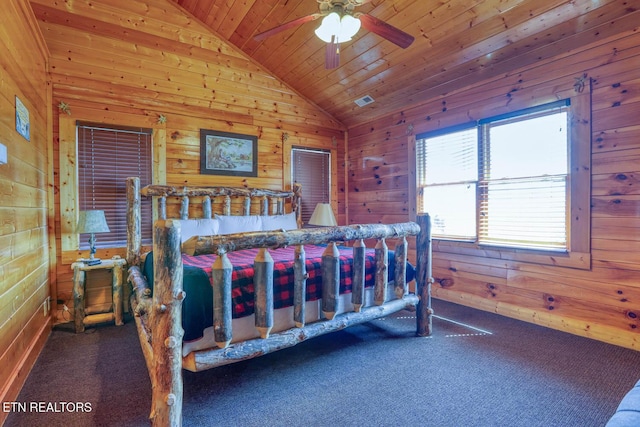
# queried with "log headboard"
point(271, 202)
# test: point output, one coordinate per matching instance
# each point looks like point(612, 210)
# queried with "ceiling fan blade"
point(386, 31)
point(332, 55)
point(286, 26)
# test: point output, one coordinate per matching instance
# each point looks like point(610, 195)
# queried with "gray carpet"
point(477, 369)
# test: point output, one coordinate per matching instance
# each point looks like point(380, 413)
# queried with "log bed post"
point(206, 207)
point(184, 207)
point(382, 269)
point(166, 318)
point(400, 264)
point(423, 277)
point(263, 284)
point(162, 207)
point(246, 206)
point(299, 286)
point(330, 280)
point(357, 285)
point(116, 285)
point(79, 279)
point(295, 203)
point(226, 206)
point(221, 279)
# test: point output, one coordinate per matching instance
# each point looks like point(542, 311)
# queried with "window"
point(311, 169)
point(107, 155)
point(448, 175)
point(504, 181)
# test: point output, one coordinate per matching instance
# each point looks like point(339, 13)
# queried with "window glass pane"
point(523, 197)
point(531, 147)
point(447, 172)
point(452, 209)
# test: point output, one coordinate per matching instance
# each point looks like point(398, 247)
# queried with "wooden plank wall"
point(135, 61)
point(602, 302)
point(24, 253)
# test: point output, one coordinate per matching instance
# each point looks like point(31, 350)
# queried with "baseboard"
point(23, 368)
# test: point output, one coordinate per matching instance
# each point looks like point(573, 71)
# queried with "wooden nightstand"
point(80, 268)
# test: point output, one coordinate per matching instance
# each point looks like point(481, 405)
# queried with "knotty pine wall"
point(24, 252)
point(602, 301)
point(130, 62)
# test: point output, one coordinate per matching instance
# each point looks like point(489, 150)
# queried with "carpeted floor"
point(477, 369)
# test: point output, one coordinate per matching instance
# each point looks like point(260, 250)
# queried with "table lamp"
point(323, 215)
point(92, 222)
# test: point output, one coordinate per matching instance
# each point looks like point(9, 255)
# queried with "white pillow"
point(198, 227)
point(279, 222)
point(230, 224)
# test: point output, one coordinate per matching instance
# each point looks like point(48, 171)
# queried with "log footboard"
point(207, 359)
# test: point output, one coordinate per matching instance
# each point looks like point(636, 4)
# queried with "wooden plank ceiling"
point(457, 43)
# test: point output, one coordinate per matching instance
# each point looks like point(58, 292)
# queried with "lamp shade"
point(323, 215)
point(92, 222)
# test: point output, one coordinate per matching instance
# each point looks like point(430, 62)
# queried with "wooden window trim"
point(69, 210)
point(579, 223)
point(291, 143)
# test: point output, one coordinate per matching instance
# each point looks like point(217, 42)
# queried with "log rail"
point(158, 317)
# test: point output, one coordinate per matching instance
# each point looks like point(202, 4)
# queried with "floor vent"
point(365, 100)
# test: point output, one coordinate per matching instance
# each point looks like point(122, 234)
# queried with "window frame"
point(68, 171)
point(578, 250)
point(98, 137)
point(289, 143)
point(318, 151)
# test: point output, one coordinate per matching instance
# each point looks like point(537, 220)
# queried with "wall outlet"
point(46, 307)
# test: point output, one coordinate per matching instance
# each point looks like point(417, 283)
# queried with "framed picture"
point(23, 123)
point(225, 153)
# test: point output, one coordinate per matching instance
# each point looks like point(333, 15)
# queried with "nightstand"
point(80, 269)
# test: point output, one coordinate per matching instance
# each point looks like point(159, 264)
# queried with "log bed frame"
point(158, 316)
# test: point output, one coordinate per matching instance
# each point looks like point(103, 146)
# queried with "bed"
point(244, 279)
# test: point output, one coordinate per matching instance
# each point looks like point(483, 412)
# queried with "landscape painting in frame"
point(225, 153)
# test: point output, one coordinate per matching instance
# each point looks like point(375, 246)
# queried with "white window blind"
point(312, 169)
point(523, 189)
point(447, 171)
point(106, 157)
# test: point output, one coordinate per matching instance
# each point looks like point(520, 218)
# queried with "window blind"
point(523, 188)
point(106, 157)
point(447, 173)
point(311, 169)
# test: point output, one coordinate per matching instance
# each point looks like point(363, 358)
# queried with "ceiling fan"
point(339, 24)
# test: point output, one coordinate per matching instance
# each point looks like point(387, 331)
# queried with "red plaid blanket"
point(283, 275)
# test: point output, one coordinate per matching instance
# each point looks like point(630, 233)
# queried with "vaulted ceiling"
point(457, 43)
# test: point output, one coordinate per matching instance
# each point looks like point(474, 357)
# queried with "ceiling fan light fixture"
point(337, 29)
point(349, 26)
